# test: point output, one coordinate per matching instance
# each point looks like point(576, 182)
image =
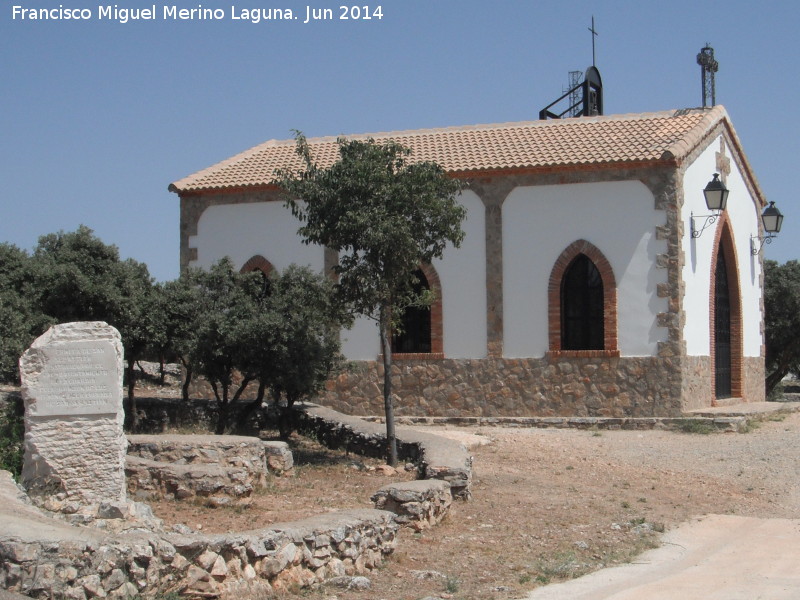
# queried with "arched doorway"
point(722, 329)
point(726, 318)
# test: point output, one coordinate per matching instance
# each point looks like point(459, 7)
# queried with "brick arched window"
point(582, 306)
point(421, 335)
point(257, 263)
point(262, 265)
point(582, 298)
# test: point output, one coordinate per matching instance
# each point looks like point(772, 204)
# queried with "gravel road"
point(766, 459)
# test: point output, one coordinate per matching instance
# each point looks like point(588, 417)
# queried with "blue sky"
point(99, 116)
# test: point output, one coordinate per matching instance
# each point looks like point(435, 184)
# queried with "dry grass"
point(322, 480)
point(547, 505)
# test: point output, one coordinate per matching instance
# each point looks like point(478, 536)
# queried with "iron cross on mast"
point(585, 98)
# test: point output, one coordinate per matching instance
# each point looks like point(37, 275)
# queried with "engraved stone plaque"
point(77, 378)
point(74, 441)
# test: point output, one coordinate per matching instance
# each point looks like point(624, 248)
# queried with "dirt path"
point(551, 504)
point(722, 557)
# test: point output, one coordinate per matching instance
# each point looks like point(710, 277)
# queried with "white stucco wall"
point(462, 274)
point(242, 231)
point(361, 342)
point(620, 220)
point(744, 218)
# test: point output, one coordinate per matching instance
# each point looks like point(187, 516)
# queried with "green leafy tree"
point(229, 309)
point(20, 319)
point(385, 215)
point(12, 435)
point(78, 277)
point(294, 342)
point(136, 321)
point(178, 306)
point(782, 320)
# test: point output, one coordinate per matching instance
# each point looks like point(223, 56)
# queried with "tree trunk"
point(226, 402)
point(222, 401)
point(386, 349)
point(286, 419)
point(162, 373)
point(224, 410)
point(133, 418)
point(242, 387)
point(774, 378)
point(187, 380)
point(248, 410)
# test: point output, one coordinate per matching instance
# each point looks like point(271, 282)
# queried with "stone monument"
point(74, 442)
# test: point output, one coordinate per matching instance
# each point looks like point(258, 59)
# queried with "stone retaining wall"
point(43, 557)
point(722, 423)
point(149, 479)
point(436, 457)
point(419, 504)
point(216, 467)
point(230, 451)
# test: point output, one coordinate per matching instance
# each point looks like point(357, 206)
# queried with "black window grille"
point(582, 306)
point(415, 330)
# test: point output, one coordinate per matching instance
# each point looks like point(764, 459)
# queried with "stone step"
point(746, 409)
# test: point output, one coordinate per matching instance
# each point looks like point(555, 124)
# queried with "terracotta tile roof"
point(600, 140)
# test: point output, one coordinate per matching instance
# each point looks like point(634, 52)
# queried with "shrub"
point(701, 426)
point(12, 435)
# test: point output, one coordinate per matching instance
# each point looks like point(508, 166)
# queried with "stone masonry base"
point(508, 387)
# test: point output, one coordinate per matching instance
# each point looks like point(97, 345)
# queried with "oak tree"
point(385, 215)
point(293, 341)
point(781, 320)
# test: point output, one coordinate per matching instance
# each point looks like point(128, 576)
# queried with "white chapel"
point(593, 279)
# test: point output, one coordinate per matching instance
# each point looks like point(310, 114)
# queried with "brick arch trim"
point(257, 263)
point(610, 339)
point(723, 241)
point(437, 314)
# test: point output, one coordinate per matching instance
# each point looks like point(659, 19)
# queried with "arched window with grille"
point(261, 265)
point(420, 331)
point(414, 333)
point(582, 297)
point(582, 317)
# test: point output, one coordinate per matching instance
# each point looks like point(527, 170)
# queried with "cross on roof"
point(594, 35)
point(723, 162)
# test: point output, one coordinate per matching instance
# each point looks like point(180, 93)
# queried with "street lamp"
point(716, 195)
point(772, 219)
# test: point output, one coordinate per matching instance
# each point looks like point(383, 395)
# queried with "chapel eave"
point(666, 162)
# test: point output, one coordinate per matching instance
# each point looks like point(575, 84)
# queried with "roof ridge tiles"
point(690, 139)
point(454, 129)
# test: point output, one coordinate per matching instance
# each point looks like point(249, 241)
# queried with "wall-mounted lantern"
point(772, 219)
point(716, 195)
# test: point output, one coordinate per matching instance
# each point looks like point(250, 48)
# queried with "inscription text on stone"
point(78, 378)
